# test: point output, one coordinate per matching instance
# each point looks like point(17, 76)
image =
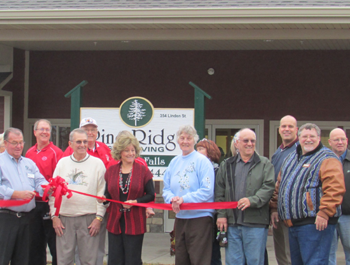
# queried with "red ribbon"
point(10, 203)
point(164, 206)
point(59, 186)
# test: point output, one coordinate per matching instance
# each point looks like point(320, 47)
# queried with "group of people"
point(301, 193)
point(77, 233)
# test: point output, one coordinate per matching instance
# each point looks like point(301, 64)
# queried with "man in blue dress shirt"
point(19, 179)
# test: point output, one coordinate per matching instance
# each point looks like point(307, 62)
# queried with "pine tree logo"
point(136, 111)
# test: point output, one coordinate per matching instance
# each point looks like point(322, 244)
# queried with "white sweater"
point(85, 176)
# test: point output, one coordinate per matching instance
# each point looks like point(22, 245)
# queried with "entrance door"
point(223, 131)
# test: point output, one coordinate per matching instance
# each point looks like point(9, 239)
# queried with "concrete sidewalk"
point(156, 251)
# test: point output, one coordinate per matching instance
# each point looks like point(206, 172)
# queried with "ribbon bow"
point(59, 186)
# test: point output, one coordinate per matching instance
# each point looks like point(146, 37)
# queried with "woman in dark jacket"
point(127, 182)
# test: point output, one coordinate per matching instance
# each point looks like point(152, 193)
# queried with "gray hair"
point(42, 120)
point(12, 130)
point(234, 151)
point(78, 130)
point(310, 126)
point(238, 135)
point(190, 130)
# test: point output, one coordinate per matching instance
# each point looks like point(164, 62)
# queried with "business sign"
point(155, 129)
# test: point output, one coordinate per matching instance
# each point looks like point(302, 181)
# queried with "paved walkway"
point(156, 251)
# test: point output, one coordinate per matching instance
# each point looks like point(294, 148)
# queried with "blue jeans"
point(309, 246)
point(246, 245)
point(343, 231)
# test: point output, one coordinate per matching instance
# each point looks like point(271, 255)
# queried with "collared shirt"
point(281, 153)
point(241, 173)
point(19, 176)
point(342, 157)
point(289, 145)
point(46, 159)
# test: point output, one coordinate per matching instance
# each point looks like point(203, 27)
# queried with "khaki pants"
point(76, 233)
point(103, 245)
point(281, 242)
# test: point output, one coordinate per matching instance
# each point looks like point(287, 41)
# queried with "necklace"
point(126, 187)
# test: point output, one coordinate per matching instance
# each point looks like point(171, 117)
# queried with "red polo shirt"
point(46, 159)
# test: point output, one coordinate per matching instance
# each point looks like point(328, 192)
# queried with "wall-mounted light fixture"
point(211, 71)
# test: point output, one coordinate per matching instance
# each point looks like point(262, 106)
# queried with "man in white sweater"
point(80, 217)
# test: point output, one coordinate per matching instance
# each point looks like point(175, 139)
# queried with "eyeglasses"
point(43, 130)
point(339, 140)
point(81, 142)
point(247, 141)
point(16, 143)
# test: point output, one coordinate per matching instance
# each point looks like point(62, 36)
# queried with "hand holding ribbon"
point(59, 187)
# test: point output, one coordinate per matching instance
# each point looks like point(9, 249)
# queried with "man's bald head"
point(288, 129)
point(289, 118)
point(338, 141)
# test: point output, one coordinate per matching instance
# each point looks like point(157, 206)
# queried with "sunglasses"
point(247, 141)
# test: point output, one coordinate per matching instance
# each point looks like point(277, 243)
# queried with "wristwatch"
point(99, 218)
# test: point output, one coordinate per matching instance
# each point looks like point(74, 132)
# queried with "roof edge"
point(178, 13)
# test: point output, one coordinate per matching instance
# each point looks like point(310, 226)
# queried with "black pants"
point(216, 254)
point(42, 234)
point(14, 238)
point(124, 249)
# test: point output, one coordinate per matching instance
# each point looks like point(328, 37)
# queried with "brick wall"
point(311, 85)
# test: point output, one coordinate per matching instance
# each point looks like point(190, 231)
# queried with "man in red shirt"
point(46, 155)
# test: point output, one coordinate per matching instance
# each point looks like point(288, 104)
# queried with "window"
point(325, 126)
point(222, 132)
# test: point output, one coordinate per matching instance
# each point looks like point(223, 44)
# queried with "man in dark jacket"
point(249, 179)
point(339, 143)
